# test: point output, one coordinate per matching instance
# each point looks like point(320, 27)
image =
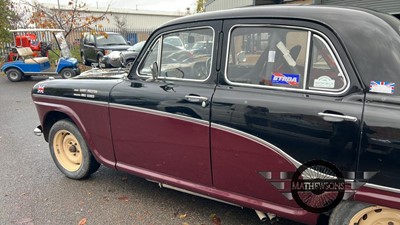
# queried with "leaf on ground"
point(215, 219)
point(182, 216)
point(82, 221)
point(123, 198)
point(185, 223)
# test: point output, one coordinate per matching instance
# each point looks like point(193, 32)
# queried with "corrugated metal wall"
point(213, 5)
point(134, 19)
point(389, 6)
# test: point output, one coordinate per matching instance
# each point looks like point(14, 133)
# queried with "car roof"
point(323, 14)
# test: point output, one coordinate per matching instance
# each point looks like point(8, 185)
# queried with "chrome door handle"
point(336, 118)
point(195, 98)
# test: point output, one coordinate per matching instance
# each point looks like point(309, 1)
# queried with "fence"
point(73, 39)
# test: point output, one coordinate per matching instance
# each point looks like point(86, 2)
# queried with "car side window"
point(185, 54)
point(324, 70)
point(267, 56)
point(275, 57)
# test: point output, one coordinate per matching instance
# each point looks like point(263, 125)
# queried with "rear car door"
point(160, 117)
point(286, 96)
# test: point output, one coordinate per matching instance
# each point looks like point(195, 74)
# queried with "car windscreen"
point(137, 47)
point(110, 39)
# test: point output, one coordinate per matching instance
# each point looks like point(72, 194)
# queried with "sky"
point(152, 5)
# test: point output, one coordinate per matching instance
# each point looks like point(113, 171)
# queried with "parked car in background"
point(294, 112)
point(175, 41)
point(95, 46)
point(128, 57)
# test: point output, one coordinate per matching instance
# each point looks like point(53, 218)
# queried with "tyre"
point(67, 73)
point(351, 212)
point(14, 75)
point(84, 60)
point(70, 152)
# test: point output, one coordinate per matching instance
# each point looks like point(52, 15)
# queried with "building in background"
point(135, 25)
point(388, 6)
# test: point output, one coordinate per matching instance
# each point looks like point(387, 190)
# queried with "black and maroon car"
point(294, 111)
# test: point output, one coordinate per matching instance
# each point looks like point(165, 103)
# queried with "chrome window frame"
point(337, 64)
point(160, 37)
point(311, 32)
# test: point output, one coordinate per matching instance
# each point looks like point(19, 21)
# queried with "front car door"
point(89, 47)
point(160, 116)
point(286, 97)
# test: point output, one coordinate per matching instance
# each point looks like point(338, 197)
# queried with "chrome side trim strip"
point(86, 101)
point(382, 188)
point(260, 141)
point(160, 113)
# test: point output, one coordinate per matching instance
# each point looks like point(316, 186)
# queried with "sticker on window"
point(324, 82)
point(381, 87)
point(271, 56)
point(286, 79)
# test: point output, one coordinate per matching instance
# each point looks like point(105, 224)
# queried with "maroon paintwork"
point(222, 145)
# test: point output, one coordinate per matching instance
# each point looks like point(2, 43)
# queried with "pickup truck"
point(292, 112)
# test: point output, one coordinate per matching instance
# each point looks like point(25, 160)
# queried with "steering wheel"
point(200, 70)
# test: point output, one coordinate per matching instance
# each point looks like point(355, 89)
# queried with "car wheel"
point(84, 60)
point(14, 75)
point(70, 152)
point(351, 212)
point(67, 73)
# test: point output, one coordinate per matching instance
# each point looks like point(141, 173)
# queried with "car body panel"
point(221, 145)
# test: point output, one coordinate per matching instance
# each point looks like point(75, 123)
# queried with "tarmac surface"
point(34, 192)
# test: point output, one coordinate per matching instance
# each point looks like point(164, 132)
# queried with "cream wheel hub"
point(376, 215)
point(67, 150)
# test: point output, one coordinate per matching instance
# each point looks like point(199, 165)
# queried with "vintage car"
point(294, 113)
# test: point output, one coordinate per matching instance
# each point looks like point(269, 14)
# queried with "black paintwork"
point(368, 44)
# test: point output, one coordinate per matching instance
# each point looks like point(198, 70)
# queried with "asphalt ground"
point(34, 192)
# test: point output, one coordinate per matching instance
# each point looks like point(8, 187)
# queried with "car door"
point(89, 47)
point(286, 96)
point(160, 116)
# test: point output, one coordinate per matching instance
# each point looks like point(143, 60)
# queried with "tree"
point(6, 16)
point(70, 19)
point(200, 6)
point(121, 24)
